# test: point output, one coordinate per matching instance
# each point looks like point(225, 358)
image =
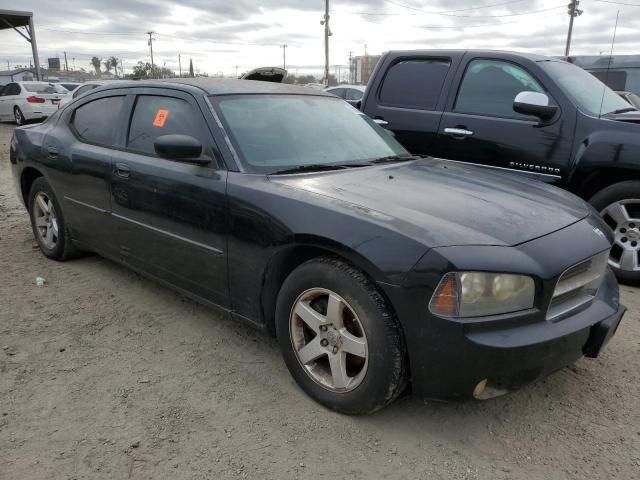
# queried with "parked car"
point(526, 114)
point(265, 74)
point(281, 207)
point(24, 101)
point(351, 93)
point(70, 86)
point(82, 89)
point(632, 98)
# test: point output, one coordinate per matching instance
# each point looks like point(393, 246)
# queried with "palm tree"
point(96, 63)
point(113, 61)
point(107, 65)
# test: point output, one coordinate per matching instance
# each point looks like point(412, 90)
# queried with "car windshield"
point(276, 132)
point(590, 94)
point(36, 87)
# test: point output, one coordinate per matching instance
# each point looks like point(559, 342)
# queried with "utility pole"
point(66, 64)
point(74, 63)
point(284, 55)
point(150, 43)
point(8, 67)
point(327, 34)
point(180, 65)
point(351, 81)
point(236, 71)
point(573, 13)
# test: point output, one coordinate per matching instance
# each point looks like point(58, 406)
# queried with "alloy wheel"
point(329, 340)
point(46, 220)
point(624, 218)
point(18, 116)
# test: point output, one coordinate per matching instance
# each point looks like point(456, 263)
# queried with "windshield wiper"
point(623, 110)
point(317, 167)
point(393, 158)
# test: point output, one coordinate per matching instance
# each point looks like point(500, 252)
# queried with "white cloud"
point(220, 34)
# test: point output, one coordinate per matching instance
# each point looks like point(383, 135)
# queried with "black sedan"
point(378, 271)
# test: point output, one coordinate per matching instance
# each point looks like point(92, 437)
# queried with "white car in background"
point(24, 101)
point(82, 89)
point(351, 93)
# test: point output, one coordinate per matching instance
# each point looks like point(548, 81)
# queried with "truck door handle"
point(380, 122)
point(458, 132)
point(122, 170)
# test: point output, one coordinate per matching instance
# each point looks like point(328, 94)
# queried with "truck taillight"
point(33, 99)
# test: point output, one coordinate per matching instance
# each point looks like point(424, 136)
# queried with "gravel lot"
point(104, 374)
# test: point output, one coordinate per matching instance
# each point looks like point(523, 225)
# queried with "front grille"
point(577, 286)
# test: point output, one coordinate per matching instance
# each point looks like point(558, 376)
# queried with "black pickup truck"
point(533, 115)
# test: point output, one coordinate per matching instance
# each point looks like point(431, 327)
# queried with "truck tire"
point(340, 339)
point(619, 205)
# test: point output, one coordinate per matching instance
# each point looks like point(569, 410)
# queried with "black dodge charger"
point(287, 208)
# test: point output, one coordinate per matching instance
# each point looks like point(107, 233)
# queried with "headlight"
point(478, 294)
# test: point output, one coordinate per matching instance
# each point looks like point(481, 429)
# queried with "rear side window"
point(155, 116)
point(338, 92)
point(353, 94)
point(489, 87)
point(415, 83)
point(11, 89)
point(96, 122)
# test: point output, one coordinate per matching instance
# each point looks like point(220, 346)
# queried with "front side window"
point(415, 83)
point(275, 132)
point(97, 121)
point(588, 93)
point(154, 116)
point(489, 87)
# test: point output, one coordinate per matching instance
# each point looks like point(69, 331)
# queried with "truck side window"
point(415, 83)
point(489, 87)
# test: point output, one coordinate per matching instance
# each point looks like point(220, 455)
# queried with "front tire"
point(619, 205)
point(340, 339)
point(47, 222)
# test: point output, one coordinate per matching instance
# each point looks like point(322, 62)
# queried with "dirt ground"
point(104, 374)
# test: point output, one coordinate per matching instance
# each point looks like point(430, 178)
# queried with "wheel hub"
point(622, 217)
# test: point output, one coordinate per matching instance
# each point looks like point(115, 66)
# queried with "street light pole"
point(284, 55)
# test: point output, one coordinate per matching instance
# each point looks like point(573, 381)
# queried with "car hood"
point(633, 117)
point(444, 203)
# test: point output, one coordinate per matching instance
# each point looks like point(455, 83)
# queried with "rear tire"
point(619, 205)
point(18, 116)
point(47, 222)
point(356, 360)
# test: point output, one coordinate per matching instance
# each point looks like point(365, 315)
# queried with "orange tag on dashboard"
point(161, 118)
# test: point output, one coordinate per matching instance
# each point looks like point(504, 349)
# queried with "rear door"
point(480, 125)
point(82, 148)
point(410, 96)
point(170, 216)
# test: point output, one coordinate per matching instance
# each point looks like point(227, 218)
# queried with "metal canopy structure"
point(18, 20)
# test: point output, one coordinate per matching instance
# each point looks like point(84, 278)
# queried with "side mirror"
point(181, 148)
point(535, 104)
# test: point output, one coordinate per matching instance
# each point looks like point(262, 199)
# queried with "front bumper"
point(454, 359)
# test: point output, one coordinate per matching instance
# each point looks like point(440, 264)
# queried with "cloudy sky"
point(222, 34)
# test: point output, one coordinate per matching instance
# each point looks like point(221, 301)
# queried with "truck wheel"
point(619, 205)
point(339, 338)
point(47, 222)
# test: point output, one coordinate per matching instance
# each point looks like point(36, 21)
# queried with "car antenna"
point(606, 76)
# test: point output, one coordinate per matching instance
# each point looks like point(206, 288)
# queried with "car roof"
point(222, 86)
point(505, 53)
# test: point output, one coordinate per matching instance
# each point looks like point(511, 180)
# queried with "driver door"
point(480, 125)
point(170, 215)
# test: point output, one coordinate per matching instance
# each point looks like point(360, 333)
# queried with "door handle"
point(458, 132)
point(380, 122)
point(122, 170)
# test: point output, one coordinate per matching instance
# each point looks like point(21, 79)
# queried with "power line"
point(618, 3)
point(445, 14)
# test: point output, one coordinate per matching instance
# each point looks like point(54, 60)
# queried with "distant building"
point(361, 68)
point(623, 74)
point(17, 75)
